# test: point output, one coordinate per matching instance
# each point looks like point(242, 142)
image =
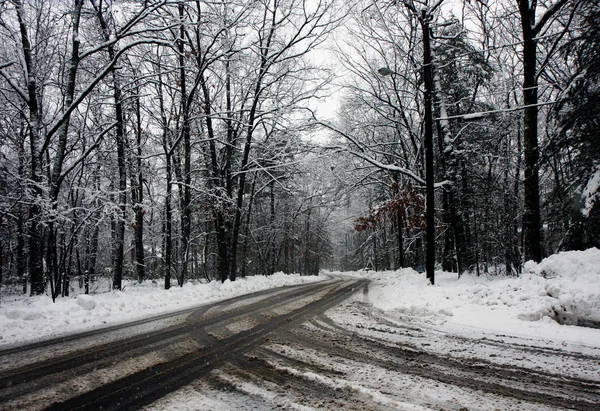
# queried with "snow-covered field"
point(24, 319)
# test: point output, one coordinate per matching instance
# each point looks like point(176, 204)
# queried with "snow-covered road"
point(354, 358)
point(313, 346)
point(131, 366)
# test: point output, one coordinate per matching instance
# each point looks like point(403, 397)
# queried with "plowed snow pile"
point(561, 291)
point(32, 318)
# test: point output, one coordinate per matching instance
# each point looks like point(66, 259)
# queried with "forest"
point(172, 140)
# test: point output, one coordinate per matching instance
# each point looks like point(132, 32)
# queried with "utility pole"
point(429, 186)
point(428, 143)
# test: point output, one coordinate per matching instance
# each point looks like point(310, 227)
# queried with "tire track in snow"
point(270, 309)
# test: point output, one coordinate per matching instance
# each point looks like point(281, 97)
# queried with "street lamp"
point(384, 71)
point(428, 143)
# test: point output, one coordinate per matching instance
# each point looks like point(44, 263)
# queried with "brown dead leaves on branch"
point(405, 205)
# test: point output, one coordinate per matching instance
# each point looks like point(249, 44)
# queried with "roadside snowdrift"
point(33, 318)
point(562, 289)
point(572, 279)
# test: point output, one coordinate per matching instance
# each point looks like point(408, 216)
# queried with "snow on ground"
point(563, 289)
point(503, 318)
point(32, 318)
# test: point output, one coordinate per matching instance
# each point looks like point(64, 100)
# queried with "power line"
point(517, 43)
point(473, 116)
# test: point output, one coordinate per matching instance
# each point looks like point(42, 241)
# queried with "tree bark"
point(122, 203)
point(137, 193)
point(35, 229)
point(399, 232)
point(119, 219)
point(186, 195)
point(430, 189)
point(531, 216)
point(168, 150)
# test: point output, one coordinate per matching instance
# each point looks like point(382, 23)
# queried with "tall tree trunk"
point(122, 202)
point(467, 211)
point(265, 49)
point(137, 193)
point(35, 229)
point(429, 177)
point(21, 262)
point(178, 173)
point(168, 225)
point(516, 191)
point(119, 220)
point(168, 150)
point(273, 235)
point(91, 267)
point(453, 215)
point(52, 261)
point(531, 216)
point(246, 236)
point(186, 199)
point(56, 176)
point(307, 237)
point(221, 182)
point(531, 29)
point(400, 235)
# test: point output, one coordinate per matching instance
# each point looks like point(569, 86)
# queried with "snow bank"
point(33, 318)
point(572, 279)
point(562, 289)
